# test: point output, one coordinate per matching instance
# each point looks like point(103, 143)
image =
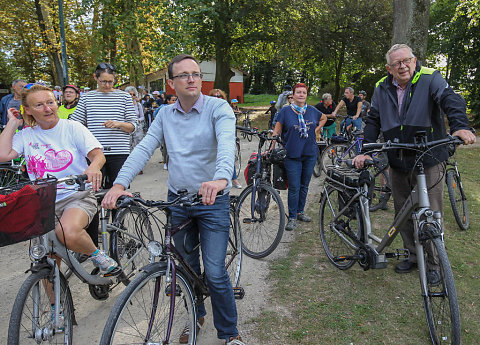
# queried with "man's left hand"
point(208, 190)
point(467, 136)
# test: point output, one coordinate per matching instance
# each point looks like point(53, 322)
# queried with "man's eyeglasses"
point(106, 82)
point(185, 76)
point(406, 62)
point(218, 96)
point(105, 66)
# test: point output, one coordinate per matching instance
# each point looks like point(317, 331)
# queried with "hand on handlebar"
point(466, 135)
point(359, 161)
point(209, 190)
point(110, 199)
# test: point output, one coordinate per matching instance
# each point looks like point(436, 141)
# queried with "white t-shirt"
point(59, 151)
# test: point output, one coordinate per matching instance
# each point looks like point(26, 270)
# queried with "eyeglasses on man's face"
point(218, 96)
point(406, 62)
point(104, 66)
point(106, 82)
point(186, 76)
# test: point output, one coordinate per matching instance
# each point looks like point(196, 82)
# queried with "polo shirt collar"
point(198, 106)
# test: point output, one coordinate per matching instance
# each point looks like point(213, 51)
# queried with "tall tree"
point(410, 25)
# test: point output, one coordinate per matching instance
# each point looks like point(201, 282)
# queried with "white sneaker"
point(165, 166)
point(105, 263)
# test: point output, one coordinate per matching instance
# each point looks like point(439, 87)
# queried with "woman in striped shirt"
point(109, 114)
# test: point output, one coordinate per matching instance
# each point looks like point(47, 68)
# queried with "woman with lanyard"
point(110, 116)
point(298, 125)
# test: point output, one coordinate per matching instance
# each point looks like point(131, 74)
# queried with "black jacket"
point(427, 94)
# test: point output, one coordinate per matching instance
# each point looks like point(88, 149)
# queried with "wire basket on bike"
point(27, 210)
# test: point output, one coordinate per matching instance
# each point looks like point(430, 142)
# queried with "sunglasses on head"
point(105, 66)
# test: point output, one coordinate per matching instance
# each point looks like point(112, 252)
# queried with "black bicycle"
point(260, 209)
point(347, 237)
point(161, 301)
point(247, 123)
point(456, 194)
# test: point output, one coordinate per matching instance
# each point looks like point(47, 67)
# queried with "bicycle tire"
point(128, 321)
point(233, 258)
point(249, 136)
point(317, 169)
point(332, 152)
point(261, 237)
point(245, 124)
point(337, 243)
point(129, 245)
point(456, 194)
point(238, 159)
point(33, 297)
point(377, 193)
point(440, 302)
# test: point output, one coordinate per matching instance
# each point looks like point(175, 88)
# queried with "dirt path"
point(91, 314)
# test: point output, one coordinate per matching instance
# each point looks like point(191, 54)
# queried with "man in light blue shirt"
point(199, 132)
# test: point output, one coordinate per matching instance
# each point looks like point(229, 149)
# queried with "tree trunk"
point(410, 25)
point(338, 72)
point(50, 40)
point(223, 73)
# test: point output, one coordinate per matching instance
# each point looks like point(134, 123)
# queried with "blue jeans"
point(356, 123)
point(210, 228)
point(299, 173)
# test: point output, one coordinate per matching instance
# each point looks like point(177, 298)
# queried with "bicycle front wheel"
point(379, 191)
point(263, 229)
point(10, 177)
point(238, 159)
point(317, 169)
point(129, 242)
point(233, 259)
point(32, 320)
point(335, 155)
point(456, 194)
point(249, 125)
point(146, 301)
point(339, 235)
point(440, 298)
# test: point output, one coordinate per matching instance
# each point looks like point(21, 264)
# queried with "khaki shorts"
point(84, 200)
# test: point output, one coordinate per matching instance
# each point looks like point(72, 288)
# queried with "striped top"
point(95, 108)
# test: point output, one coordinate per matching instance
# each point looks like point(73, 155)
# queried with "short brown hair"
point(177, 59)
point(221, 92)
point(27, 118)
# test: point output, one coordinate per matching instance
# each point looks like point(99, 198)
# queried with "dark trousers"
point(111, 168)
point(402, 183)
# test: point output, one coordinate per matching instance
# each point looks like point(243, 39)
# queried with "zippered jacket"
point(427, 97)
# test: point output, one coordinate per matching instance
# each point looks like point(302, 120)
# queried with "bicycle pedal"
point(399, 254)
point(238, 292)
point(115, 272)
point(249, 220)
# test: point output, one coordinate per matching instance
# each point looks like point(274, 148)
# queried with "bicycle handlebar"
point(73, 179)
point(419, 146)
point(184, 199)
point(262, 134)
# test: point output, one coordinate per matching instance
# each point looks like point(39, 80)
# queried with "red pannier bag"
point(27, 210)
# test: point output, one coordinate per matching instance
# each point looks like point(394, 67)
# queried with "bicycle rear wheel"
point(440, 300)
point(31, 320)
point(338, 236)
point(456, 194)
point(262, 230)
point(317, 169)
point(147, 300)
point(129, 243)
point(336, 154)
point(233, 259)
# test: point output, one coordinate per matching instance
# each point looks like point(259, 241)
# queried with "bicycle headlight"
point(155, 248)
point(38, 251)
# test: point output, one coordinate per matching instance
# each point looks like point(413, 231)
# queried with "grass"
point(264, 100)
point(314, 303)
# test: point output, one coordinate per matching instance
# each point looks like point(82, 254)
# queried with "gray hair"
point(326, 96)
point(350, 89)
point(130, 89)
point(16, 81)
point(396, 47)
